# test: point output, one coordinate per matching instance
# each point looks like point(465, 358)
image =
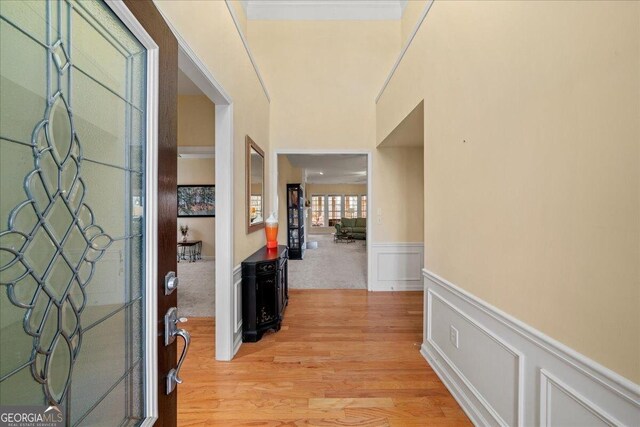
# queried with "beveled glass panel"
point(72, 210)
point(116, 408)
point(99, 115)
point(40, 252)
point(59, 219)
point(112, 68)
point(29, 16)
point(16, 161)
point(16, 345)
point(49, 171)
point(21, 388)
point(59, 128)
point(22, 81)
point(60, 57)
point(59, 278)
point(109, 293)
point(102, 361)
point(59, 367)
point(106, 196)
point(49, 325)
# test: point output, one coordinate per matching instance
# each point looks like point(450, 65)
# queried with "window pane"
point(363, 206)
point(256, 206)
point(317, 211)
point(351, 206)
point(335, 209)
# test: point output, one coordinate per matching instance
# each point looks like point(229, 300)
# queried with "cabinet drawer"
point(266, 267)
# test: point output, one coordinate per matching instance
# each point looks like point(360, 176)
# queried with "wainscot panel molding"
point(236, 295)
point(503, 372)
point(396, 266)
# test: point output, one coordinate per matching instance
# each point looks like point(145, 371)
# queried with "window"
point(256, 208)
point(317, 211)
point(335, 209)
point(351, 206)
point(363, 206)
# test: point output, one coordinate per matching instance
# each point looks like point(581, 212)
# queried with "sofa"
point(356, 226)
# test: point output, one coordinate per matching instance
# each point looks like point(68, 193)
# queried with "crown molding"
point(324, 10)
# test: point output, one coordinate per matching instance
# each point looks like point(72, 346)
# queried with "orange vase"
point(271, 230)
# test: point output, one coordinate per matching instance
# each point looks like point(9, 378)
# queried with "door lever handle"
point(171, 331)
point(173, 378)
point(171, 321)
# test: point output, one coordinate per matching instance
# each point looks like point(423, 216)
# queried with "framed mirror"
point(255, 186)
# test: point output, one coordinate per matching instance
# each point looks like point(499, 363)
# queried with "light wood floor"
point(342, 358)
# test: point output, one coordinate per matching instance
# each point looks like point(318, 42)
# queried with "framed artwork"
point(196, 201)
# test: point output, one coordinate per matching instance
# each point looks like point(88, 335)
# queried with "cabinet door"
point(266, 304)
point(280, 292)
point(294, 238)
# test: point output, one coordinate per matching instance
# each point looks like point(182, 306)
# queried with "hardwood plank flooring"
point(342, 358)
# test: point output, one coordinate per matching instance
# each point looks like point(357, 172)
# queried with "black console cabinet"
point(265, 292)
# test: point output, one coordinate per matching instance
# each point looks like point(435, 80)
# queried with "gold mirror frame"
point(251, 145)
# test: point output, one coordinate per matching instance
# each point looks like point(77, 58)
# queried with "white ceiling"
point(319, 10)
point(335, 168)
point(186, 86)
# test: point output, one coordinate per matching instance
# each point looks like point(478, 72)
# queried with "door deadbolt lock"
point(171, 283)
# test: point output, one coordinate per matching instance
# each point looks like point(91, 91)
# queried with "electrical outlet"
point(453, 336)
point(379, 220)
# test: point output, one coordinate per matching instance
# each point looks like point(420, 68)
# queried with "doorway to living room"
point(196, 201)
point(333, 235)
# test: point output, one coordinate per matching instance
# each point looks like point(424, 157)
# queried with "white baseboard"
point(504, 372)
point(396, 266)
point(208, 257)
point(236, 303)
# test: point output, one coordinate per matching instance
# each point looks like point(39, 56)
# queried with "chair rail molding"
point(504, 372)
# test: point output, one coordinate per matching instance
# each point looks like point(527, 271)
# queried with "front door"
point(87, 229)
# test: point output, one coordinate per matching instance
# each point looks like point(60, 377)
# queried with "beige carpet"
point(196, 291)
point(330, 266)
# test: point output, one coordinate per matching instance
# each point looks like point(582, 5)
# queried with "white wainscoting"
point(237, 308)
point(503, 372)
point(396, 266)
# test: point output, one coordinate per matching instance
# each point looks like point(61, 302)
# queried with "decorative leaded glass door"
point(75, 246)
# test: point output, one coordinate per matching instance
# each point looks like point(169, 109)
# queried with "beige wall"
point(196, 121)
point(323, 77)
point(400, 181)
point(410, 16)
point(287, 174)
point(327, 189)
point(538, 212)
point(199, 172)
point(209, 30)
point(196, 127)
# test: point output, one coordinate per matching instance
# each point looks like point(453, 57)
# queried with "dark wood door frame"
point(149, 17)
